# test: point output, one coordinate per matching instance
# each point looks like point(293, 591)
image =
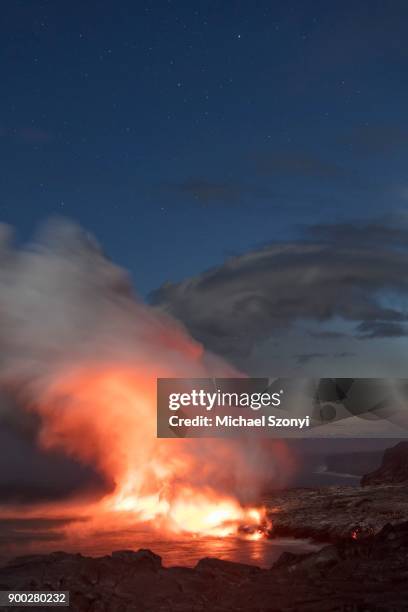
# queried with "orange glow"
point(105, 417)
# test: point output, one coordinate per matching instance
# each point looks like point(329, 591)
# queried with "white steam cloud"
point(64, 305)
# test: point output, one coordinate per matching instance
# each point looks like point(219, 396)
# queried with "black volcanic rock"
point(143, 559)
point(369, 574)
point(394, 467)
point(332, 514)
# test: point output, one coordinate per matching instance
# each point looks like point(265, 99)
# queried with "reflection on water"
point(186, 552)
point(261, 552)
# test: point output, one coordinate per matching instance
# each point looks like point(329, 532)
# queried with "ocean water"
point(183, 552)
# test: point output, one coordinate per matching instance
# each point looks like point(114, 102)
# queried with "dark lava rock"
point(394, 467)
point(143, 559)
point(332, 514)
point(369, 574)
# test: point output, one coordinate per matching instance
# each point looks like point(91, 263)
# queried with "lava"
point(106, 417)
point(83, 353)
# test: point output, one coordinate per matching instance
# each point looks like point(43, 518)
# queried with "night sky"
point(182, 134)
point(245, 161)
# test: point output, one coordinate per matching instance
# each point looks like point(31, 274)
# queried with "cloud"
point(34, 135)
point(377, 139)
point(29, 135)
point(381, 329)
point(80, 355)
point(403, 193)
point(339, 272)
point(205, 191)
point(306, 357)
point(344, 355)
point(392, 232)
point(303, 358)
point(208, 192)
point(327, 335)
point(302, 165)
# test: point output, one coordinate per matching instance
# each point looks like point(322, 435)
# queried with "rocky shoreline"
point(364, 568)
point(333, 514)
point(367, 574)
point(336, 513)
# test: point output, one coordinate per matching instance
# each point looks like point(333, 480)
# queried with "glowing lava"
point(106, 418)
point(83, 353)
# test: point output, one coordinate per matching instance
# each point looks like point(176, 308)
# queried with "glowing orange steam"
point(82, 352)
point(105, 416)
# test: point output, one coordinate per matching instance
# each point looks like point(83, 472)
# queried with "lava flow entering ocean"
point(83, 354)
point(106, 418)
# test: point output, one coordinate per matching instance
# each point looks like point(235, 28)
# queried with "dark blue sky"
point(182, 132)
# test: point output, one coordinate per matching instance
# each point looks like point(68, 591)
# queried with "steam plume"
point(82, 353)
